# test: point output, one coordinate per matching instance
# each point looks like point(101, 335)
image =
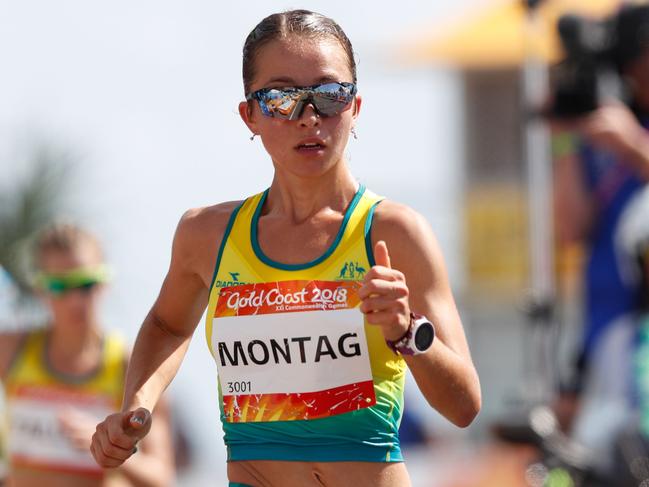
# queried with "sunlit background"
point(139, 102)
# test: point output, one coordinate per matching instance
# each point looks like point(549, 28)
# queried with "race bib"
point(36, 436)
point(291, 350)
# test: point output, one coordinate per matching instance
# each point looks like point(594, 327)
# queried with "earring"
point(253, 136)
point(354, 133)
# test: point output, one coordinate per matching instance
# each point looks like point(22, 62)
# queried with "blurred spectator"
point(593, 188)
point(61, 378)
point(8, 298)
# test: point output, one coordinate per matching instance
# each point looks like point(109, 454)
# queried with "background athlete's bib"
point(35, 433)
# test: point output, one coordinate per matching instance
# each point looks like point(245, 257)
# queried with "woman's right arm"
point(167, 330)
point(165, 334)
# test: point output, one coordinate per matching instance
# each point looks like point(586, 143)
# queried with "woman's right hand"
point(116, 437)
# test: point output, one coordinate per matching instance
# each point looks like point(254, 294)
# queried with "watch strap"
point(400, 345)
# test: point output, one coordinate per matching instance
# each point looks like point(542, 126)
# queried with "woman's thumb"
point(381, 255)
point(137, 420)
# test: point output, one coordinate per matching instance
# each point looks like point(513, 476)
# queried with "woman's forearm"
point(155, 360)
point(449, 383)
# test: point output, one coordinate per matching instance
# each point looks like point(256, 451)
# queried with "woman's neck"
point(301, 198)
point(74, 351)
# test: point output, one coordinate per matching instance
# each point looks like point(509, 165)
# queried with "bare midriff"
point(28, 477)
point(262, 473)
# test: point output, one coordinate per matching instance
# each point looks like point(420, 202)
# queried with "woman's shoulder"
point(409, 237)
point(199, 232)
point(407, 233)
point(394, 219)
point(210, 215)
point(207, 220)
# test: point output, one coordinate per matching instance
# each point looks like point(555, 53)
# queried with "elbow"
point(467, 413)
point(469, 408)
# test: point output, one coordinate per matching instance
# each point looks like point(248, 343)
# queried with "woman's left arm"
point(410, 275)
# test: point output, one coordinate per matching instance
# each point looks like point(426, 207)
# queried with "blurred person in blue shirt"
point(593, 188)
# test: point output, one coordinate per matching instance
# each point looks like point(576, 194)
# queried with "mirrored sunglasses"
point(328, 100)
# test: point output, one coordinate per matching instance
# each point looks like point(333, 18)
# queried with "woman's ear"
point(357, 106)
point(245, 112)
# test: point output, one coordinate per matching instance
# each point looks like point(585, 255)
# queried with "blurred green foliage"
point(30, 198)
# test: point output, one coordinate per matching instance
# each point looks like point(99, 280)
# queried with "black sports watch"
point(417, 339)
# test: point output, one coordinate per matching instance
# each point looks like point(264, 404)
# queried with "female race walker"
point(60, 379)
point(311, 393)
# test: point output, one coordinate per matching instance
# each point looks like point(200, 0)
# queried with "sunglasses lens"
point(85, 288)
point(55, 287)
point(282, 103)
point(332, 99)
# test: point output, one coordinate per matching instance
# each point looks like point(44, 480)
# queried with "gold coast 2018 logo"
point(351, 271)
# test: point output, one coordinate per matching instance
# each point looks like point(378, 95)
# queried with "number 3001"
point(239, 386)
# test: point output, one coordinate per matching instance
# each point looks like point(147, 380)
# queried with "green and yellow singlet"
point(301, 375)
point(37, 396)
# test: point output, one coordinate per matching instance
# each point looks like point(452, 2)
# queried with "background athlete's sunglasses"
point(82, 279)
point(328, 100)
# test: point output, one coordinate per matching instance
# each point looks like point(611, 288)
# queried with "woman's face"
point(312, 144)
point(72, 308)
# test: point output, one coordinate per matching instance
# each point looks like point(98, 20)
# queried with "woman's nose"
point(309, 116)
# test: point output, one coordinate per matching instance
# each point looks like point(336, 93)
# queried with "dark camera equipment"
point(596, 52)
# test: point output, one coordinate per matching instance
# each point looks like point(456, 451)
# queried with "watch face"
point(424, 336)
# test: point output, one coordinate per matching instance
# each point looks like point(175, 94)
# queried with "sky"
point(144, 95)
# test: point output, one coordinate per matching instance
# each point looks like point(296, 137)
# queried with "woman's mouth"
point(310, 145)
